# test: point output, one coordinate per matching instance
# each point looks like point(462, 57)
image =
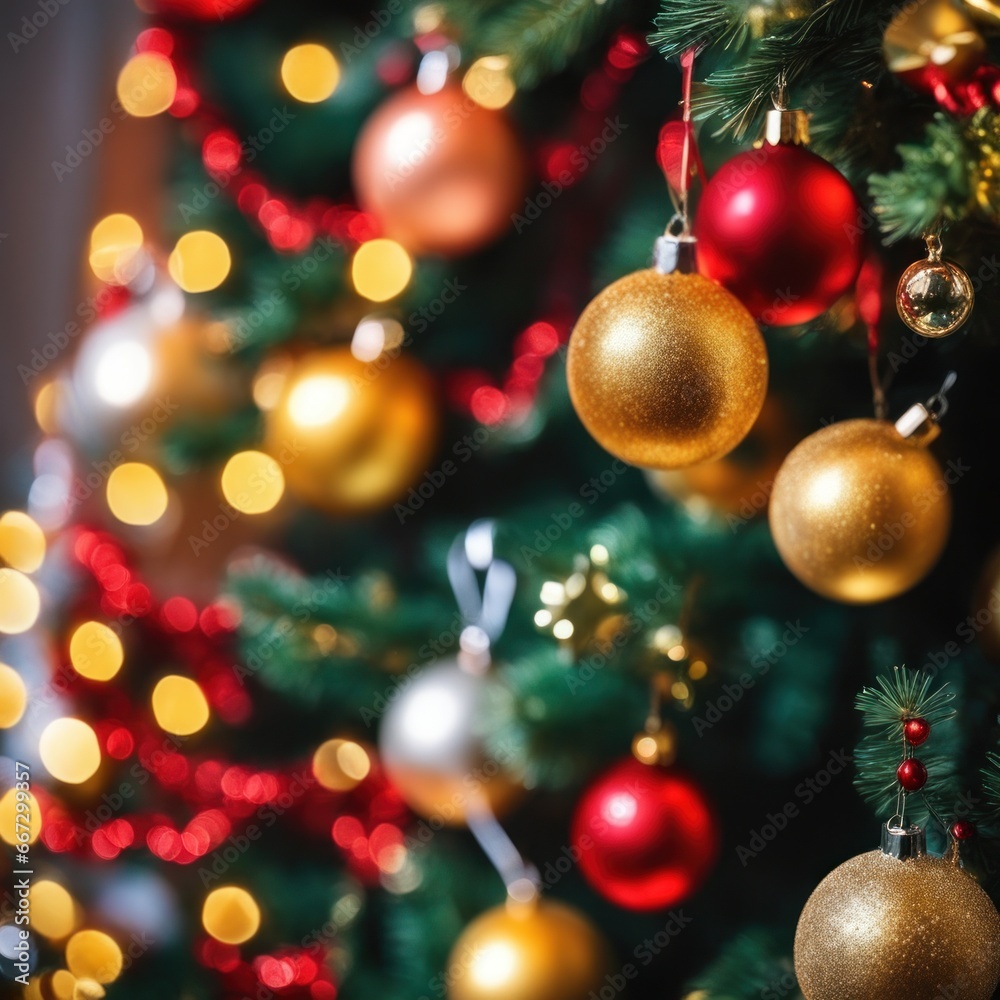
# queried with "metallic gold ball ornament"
point(431, 744)
point(539, 950)
point(352, 436)
point(880, 927)
point(441, 173)
point(667, 370)
point(860, 513)
point(934, 297)
point(932, 43)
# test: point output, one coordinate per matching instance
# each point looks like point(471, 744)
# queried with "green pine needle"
point(753, 965)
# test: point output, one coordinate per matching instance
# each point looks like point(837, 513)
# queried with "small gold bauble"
point(667, 370)
point(858, 512)
point(352, 436)
point(877, 928)
point(932, 42)
point(934, 297)
point(539, 950)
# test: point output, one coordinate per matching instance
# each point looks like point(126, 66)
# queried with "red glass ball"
point(781, 229)
point(963, 829)
point(912, 774)
point(644, 835)
point(204, 10)
point(916, 731)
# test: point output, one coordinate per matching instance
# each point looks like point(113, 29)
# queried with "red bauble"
point(912, 774)
point(780, 228)
point(963, 829)
point(440, 173)
point(204, 10)
point(916, 731)
point(645, 836)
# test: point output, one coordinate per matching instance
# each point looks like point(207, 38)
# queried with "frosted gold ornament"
point(666, 368)
point(859, 512)
point(538, 950)
point(934, 297)
point(352, 436)
point(882, 926)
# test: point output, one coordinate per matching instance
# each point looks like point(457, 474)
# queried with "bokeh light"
point(13, 696)
point(19, 602)
point(200, 261)
point(381, 269)
point(123, 372)
point(9, 815)
point(96, 651)
point(69, 750)
point(53, 912)
point(230, 915)
point(116, 248)
point(179, 705)
point(22, 542)
point(488, 82)
point(252, 482)
point(319, 400)
point(310, 73)
point(136, 494)
point(147, 84)
point(340, 764)
point(94, 955)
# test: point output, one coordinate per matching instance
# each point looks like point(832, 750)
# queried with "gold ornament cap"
point(785, 127)
point(903, 842)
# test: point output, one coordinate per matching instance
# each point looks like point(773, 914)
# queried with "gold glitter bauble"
point(529, 951)
point(878, 928)
point(352, 436)
point(667, 370)
point(858, 512)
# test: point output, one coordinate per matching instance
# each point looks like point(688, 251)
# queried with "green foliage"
point(931, 185)
point(755, 962)
point(906, 694)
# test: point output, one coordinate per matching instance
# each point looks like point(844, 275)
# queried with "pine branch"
point(541, 36)
point(906, 694)
point(753, 965)
point(686, 24)
point(932, 185)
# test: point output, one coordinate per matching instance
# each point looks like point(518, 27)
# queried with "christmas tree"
point(514, 513)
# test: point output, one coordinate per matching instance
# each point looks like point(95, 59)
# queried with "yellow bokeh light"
point(60, 985)
point(13, 696)
point(19, 602)
point(47, 407)
point(230, 915)
point(53, 912)
point(200, 261)
point(179, 705)
point(96, 651)
point(267, 389)
point(319, 400)
point(69, 750)
point(488, 82)
point(381, 269)
point(22, 542)
point(115, 245)
point(147, 84)
point(252, 482)
point(88, 989)
point(16, 804)
point(340, 764)
point(310, 73)
point(94, 955)
point(136, 494)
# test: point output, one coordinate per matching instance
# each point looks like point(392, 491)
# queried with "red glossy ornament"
point(779, 227)
point(916, 731)
point(963, 829)
point(204, 10)
point(645, 836)
point(912, 774)
point(440, 173)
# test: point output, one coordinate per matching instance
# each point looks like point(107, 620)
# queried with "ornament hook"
point(938, 403)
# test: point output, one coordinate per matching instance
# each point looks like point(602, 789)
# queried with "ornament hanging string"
point(677, 152)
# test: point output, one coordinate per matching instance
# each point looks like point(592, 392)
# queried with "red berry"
point(912, 774)
point(916, 731)
point(963, 829)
